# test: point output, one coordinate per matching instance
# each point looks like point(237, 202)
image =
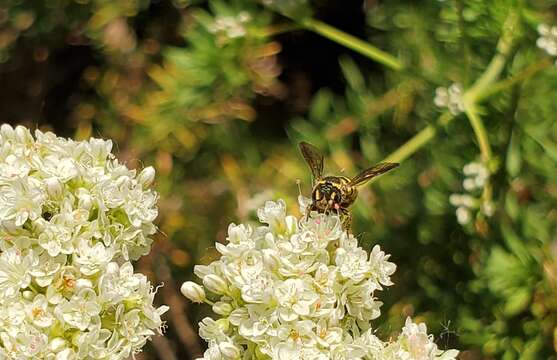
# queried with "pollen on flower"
point(316, 299)
point(69, 283)
point(37, 312)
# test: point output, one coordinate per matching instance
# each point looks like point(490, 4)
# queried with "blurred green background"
point(216, 95)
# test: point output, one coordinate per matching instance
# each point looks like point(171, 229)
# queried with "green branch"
point(507, 83)
point(353, 43)
point(480, 132)
point(497, 63)
point(418, 140)
point(489, 76)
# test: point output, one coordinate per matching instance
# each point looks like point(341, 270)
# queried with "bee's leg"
point(347, 221)
point(309, 209)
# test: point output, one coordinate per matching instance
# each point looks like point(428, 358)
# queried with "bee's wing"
point(313, 158)
point(372, 172)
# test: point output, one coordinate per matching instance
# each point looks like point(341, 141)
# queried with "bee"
point(336, 193)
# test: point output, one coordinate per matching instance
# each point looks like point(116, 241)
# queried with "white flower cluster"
point(476, 178)
point(231, 26)
point(451, 98)
point(300, 289)
point(548, 39)
point(70, 219)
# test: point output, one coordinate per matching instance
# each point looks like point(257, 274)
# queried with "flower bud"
point(469, 184)
point(147, 176)
point(222, 308)
point(53, 187)
point(57, 344)
point(224, 324)
point(193, 291)
point(22, 134)
point(28, 294)
point(65, 354)
point(229, 350)
point(7, 132)
point(215, 283)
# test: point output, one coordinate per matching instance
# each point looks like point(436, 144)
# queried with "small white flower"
point(79, 311)
point(15, 271)
point(20, 200)
point(450, 98)
point(548, 39)
point(467, 205)
point(231, 26)
point(39, 313)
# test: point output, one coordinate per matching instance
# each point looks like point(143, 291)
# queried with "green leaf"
point(515, 244)
point(511, 205)
point(517, 302)
point(352, 74)
point(514, 157)
point(321, 106)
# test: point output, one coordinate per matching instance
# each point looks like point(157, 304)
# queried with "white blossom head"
point(71, 218)
point(476, 178)
point(450, 98)
point(230, 27)
point(298, 288)
point(547, 40)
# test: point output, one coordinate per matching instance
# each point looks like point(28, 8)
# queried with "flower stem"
point(505, 84)
point(490, 75)
point(353, 43)
point(280, 29)
point(481, 133)
point(418, 140)
point(497, 63)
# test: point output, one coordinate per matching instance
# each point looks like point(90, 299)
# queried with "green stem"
point(497, 63)
point(525, 74)
point(280, 29)
point(465, 48)
point(490, 75)
point(481, 133)
point(417, 141)
point(353, 43)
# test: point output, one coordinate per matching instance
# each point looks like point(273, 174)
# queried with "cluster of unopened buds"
point(548, 39)
point(450, 98)
point(467, 204)
point(300, 288)
point(231, 26)
point(71, 219)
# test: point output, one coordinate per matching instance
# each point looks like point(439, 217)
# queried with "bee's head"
point(330, 193)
